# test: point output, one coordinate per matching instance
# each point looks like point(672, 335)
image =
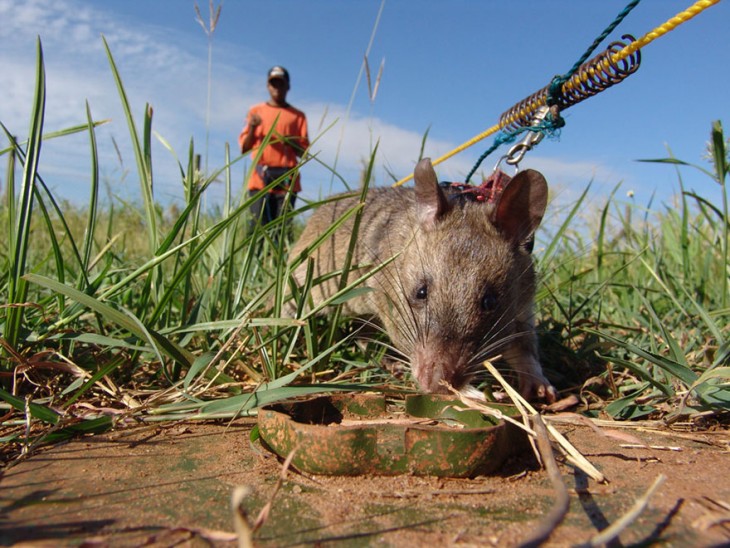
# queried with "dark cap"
point(278, 72)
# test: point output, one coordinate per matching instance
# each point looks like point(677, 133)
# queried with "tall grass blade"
point(17, 289)
point(142, 155)
point(10, 191)
point(721, 161)
point(88, 245)
point(335, 316)
point(55, 134)
point(555, 242)
point(675, 369)
point(675, 352)
point(642, 373)
point(600, 242)
point(160, 344)
point(207, 238)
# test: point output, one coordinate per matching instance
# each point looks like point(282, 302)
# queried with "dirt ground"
point(171, 485)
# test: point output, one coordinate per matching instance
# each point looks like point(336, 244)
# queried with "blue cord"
point(549, 126)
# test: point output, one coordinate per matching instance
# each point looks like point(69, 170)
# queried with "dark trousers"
point(269, 206)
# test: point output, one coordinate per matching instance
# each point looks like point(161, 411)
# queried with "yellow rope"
point(669, 26)
point(649, 37)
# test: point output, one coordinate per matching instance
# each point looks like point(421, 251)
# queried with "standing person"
point(289, 140)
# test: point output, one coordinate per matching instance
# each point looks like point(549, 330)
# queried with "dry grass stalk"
point(562, 499)
point(571, 453)
point(244, 529)
point(615, 529)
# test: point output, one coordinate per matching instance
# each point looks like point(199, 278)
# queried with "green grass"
point(646, 295)
point(165, 315)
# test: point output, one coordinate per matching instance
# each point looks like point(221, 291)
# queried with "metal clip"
point(518, 151)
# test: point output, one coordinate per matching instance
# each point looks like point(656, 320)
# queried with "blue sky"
point(449, 68)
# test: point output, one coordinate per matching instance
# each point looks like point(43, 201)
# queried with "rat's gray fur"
point(461, 286)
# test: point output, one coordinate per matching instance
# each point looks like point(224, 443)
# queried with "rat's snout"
point(434, 368)
point(429, 378)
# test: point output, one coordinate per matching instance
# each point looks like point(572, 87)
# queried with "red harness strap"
point(488, 192)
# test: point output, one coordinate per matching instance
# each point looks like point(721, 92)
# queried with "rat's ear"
point(521, 206)
point(431, 202)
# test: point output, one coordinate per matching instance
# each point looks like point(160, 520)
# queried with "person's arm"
point(248, 135)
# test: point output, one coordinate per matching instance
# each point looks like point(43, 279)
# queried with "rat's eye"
point(422, 292)
point(489, 301)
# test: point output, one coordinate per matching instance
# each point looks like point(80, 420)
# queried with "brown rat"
point(461, 286)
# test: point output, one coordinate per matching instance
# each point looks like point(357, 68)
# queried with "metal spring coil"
point(591, 78)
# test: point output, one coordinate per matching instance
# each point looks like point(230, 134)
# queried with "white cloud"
point(161, 68)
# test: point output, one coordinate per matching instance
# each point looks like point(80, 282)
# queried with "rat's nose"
point(436, 365)
point(426, 373)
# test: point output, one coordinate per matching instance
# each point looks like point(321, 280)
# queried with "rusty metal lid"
point(355, 434)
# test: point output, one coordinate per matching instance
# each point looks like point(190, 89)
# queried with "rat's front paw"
point(537, 387)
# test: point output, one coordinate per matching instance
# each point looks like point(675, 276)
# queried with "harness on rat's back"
point(488, 192)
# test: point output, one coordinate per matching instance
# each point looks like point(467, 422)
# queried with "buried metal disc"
point(355, 434)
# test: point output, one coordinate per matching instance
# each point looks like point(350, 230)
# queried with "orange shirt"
point(291, 123)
